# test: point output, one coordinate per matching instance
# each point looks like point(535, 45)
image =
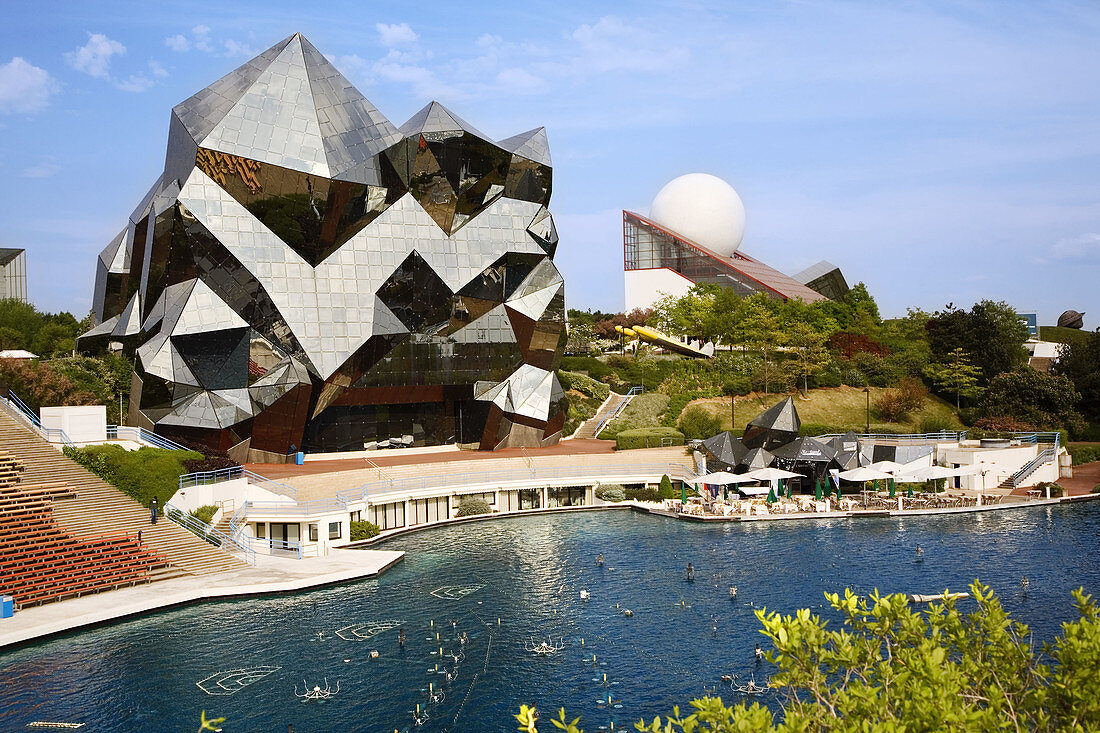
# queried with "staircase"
point(101, 509)
point(611, 405)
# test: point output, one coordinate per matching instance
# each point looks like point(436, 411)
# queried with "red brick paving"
point(384, 458)
point(1085, 477)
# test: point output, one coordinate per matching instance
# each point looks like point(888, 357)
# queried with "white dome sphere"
point(704, 209)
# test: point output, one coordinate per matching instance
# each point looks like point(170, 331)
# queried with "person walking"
point(153, 506)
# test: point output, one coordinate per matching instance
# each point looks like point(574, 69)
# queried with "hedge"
point(1084, 453)
point(472, 506)
point(648, 438)
point(611, 493)
point(141, 474)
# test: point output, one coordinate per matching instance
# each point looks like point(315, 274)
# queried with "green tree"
point(811, 355)
point(990, 332)
point(957, 376)
point(764, 333)
point(1032, 397)
point(1080, 363)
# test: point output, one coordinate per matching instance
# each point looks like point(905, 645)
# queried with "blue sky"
point(939, 152)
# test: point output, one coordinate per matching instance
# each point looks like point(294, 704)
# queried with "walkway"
point(271, 575)
point(1085, 478)
point(587, 431)
point(282, 471)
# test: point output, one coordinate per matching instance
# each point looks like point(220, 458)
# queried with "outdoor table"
point(1031, 494)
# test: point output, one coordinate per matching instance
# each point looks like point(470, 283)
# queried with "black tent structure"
point(724, 451)
point(807, 456)
point(776, 426)
point(847, 451)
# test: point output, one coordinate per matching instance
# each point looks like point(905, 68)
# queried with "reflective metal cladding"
point(306, 274)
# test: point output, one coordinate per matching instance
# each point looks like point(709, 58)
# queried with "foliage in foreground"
point(470, 506)
point(887, 667)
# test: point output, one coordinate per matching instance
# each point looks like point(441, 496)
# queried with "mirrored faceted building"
point(304, 274)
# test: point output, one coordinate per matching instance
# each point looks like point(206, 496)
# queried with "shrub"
point(1056, 489)
point(204, 513)
point(1096, 489)
point(895, 405)
point(141, 474)
point(643, 493)
point(1084, 453)
point(208, 463)
point(648, 438)
point(665, 490)
point(935, 424)
point(610, 492)
point(470, 506)
point(813, 429)
point(584, 384)
point(697, 422)
point(364, 531)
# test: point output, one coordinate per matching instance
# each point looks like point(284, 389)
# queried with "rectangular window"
point(261, 530)
point(334, 530)
point(313, 533)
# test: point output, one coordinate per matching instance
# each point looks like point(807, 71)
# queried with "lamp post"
point(867, 428)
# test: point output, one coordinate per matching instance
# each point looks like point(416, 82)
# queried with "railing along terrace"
point(141, 435)
point(214, 536)
point(945, 436)
point(205, 478)
point(18, 408)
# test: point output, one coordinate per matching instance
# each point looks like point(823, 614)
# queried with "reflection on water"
point(525, 576)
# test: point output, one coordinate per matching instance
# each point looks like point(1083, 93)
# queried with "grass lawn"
point(1062, 335)
point(643, 411)
point(833, 406)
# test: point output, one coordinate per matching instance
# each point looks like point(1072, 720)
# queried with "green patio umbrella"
point(838, 492)
point(891, 482)
point(817, 490)
point(771, 496)
point(683, 494)
point(874, 484)
point(788, 490)
point(910, 491)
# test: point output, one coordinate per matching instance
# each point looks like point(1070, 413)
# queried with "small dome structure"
point(704, 209)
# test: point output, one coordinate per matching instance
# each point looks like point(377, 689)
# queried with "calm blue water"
point(528, 573)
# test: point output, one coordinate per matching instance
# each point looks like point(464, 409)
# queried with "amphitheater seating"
point(41, 562)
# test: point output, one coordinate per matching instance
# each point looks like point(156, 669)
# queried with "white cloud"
point(1084, 247)
point(44, 169)
point(25, 88)
point(398, 34)
point(236, 48)
point(135, 83)
point(178, 43)
point(94, 57)
point(157, 70)
point(201, 36)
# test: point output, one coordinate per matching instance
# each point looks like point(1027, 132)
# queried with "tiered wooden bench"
point(41, 562)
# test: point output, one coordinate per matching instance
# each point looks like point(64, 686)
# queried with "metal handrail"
point(208, 533)
point(114, 432)
point(205, 478)
point(618, 409)
point(1044, 456)
point(944, 435)
point(20, 409)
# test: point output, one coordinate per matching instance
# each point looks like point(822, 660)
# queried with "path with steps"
point(101, 509)
point(587, 430)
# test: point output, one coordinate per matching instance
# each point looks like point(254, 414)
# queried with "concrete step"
point(101, 509)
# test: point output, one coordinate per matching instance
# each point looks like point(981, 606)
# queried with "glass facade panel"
point(319, 279)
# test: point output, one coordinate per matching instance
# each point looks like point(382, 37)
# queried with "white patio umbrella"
point(890, 467)
point(723, 478)
point(771, 474)
point(864, 473)
point(932, 473)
